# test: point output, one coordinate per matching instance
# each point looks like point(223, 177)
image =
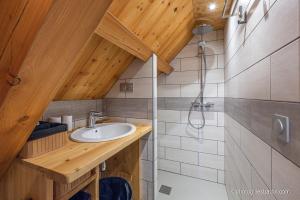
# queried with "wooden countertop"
point(75, 159)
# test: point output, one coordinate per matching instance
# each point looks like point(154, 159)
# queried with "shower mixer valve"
point(202, 105)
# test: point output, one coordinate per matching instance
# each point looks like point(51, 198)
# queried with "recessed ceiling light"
point(212, 6)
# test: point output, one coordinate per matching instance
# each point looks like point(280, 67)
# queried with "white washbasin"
point(103, 132)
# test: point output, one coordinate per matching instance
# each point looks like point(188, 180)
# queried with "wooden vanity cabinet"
point(61, 173)
point(24, 183)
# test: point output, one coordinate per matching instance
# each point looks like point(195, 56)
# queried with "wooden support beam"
point(113, 30)
point(163, 66)
point(49, 61)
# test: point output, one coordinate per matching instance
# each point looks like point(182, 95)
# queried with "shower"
point(198, 104)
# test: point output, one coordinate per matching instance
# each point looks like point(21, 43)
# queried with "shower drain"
point(165, 189)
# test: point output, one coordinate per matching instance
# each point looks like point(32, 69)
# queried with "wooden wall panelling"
point(22, 183)
point(48, 63)
point(19, 22)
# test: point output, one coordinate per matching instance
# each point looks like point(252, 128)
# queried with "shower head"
point(202, 29)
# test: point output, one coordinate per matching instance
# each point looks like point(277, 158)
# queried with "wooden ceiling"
point(163, 27)
point(135, 28)
point(64, 27)
point(203, 15)
point(96, 71)
point(77, 49)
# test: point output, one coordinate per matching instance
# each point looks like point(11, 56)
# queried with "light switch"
point(281, 127)
point(126, 87)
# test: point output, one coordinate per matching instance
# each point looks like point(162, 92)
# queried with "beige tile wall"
point(262, 61)
point(254, 166)
point(262, 57)
point(78, 109)
point(245, 160)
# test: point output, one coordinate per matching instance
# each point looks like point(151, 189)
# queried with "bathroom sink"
point(103, 132)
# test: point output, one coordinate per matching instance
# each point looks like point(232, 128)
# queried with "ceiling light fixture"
point(212, 6)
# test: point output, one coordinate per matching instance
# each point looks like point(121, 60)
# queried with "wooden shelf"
point(72, 161)
point(91, 183)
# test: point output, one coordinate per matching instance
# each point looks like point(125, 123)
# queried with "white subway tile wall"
point(182, 156)
point(168, 165)
point(262, 61)
point(199, 172)
point(182, 149)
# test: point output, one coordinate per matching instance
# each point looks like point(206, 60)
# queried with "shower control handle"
point(209, 104)
point(206, 105)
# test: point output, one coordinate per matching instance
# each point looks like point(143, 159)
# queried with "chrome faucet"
point(92, 118)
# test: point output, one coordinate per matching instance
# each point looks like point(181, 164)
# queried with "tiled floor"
point(186, 188)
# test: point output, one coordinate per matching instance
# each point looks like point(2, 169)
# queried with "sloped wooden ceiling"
point(136, 28)
point(63, 49)
point(41, 44)
point(164, 27)
point(96, 71)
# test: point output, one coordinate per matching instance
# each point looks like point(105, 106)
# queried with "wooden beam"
point(51, 58)
point(163, 66)
point(111, 29)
